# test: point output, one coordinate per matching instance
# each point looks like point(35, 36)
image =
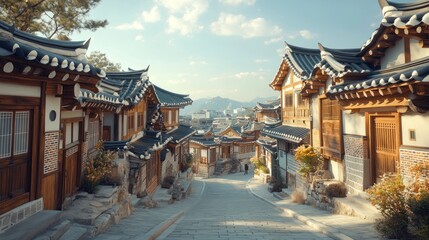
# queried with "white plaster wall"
point(354, 123)
point(337, 170)
point(10, 89)
point(394, 55)
point(125, 125)
point(71, 114)
point(416, 51)
point(315, 112)
point(52, 104)
point(419, 123)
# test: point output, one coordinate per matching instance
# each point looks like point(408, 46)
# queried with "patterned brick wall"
point(409, 157)
point(357, 162)
point(50, 163)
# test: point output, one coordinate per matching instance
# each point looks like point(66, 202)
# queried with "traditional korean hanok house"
point(267, 110)
point(328, 130)
point(41, 128)
point(296, 66)
point(243, 138)
point(204, 149)
point(386, 117)
point(178, 147)
point(132, 114)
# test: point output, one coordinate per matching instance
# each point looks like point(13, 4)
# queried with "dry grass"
point(297, 197)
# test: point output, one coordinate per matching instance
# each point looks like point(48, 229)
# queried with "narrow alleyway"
point(218, 208)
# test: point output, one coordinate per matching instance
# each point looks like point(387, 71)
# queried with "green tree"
point(100, 60)
point(52, 18)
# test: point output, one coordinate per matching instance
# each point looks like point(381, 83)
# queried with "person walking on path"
point(246, 168)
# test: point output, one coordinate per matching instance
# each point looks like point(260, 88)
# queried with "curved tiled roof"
point(170, 99)
point(417, 70)
point(267, 106)
point(61, 55)
point(301, 60)
point(149, 143)
point(341, 62)
point(180, 133)
point(288, 133)
point(118, 90)
point(404, 15)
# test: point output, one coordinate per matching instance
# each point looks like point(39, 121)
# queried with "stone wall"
point(295, 181)
point(20, 213)
point(357, 163)
point(50, 161)
point(411, 156)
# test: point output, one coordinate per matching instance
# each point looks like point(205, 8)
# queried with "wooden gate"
point(72, 159)
point(15, 158)
point(384, 145)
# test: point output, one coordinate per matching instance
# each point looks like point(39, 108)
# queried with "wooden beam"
point(424, 43)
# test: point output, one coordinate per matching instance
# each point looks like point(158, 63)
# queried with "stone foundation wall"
point(356, 161)
point(20, 213)
point(411, 156)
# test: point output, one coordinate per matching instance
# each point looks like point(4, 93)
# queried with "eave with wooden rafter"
point(400, 20)
point(404, 86)
point(281, 74)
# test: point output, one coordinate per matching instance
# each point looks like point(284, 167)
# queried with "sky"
point(226, 48)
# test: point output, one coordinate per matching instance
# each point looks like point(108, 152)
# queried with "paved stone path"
point(236, 207)
point(227, 210)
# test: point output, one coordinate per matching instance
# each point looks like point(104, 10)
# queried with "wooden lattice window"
point(331, 128)
point(288, 100)
point(14, 133)
point(93, 133)
point(130, 117)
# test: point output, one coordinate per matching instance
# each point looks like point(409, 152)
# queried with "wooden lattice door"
point(15, 158)
point(384, 143)
point(72, 160)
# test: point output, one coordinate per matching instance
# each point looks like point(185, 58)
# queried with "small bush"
point(168, 181)
point(393, 227)
point(97, 168)
point(297, 197)
point(310, 158)
point(420, 216)
point(389, 197)
point(336, 190)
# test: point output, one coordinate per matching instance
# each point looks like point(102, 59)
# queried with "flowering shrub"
point(310, 158)
point(260, 165)
point(405, 208)
point(389, 197)
point(96, 168)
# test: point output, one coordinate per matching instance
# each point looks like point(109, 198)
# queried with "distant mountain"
point(219, 104)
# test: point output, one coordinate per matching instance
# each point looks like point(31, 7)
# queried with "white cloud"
point(136, 25)
point(152, 15)
point(237, 2)
point(274, 40)
point(184, 15)
point(306, 34)
point(280, 52)
point(139, 38)
point(193, 61)
point(245, 75)
point(238, 25)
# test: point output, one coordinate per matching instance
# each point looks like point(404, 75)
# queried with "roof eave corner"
point(383, 3)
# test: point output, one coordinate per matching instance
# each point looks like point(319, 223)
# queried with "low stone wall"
point(19, 214)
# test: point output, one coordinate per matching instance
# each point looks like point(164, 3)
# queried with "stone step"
point(56, 231)
point(76, 232)
point(32, 226)
point(355, 205)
